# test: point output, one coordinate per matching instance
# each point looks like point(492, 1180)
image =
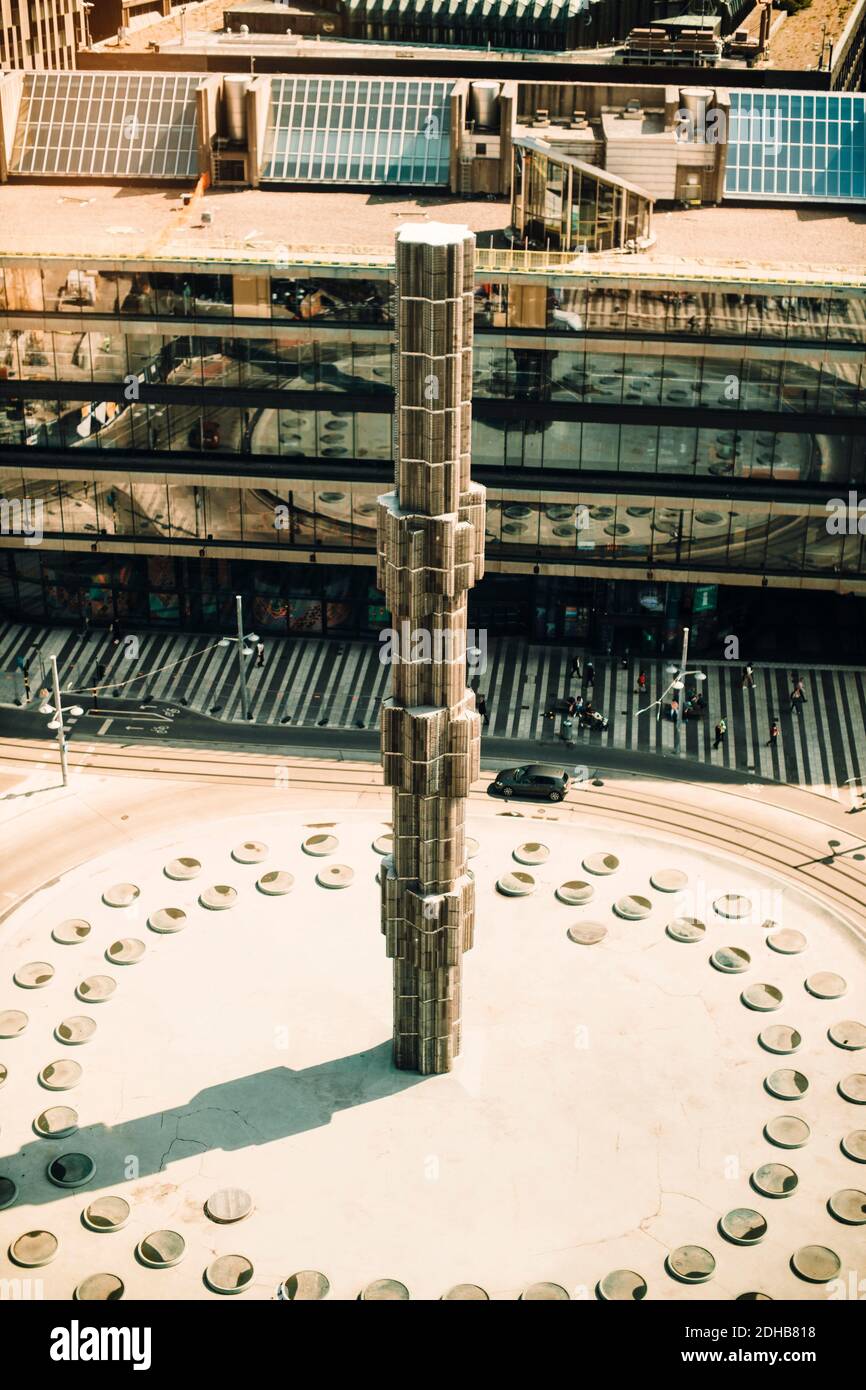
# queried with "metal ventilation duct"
point(234, 97)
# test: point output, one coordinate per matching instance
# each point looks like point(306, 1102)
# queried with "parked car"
point(542, 781)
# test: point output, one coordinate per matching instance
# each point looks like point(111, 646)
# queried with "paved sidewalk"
point(313, 683)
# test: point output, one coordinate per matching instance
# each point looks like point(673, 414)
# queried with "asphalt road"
point(171, 725)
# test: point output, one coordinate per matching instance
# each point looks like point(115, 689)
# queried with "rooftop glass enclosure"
point(561, 204)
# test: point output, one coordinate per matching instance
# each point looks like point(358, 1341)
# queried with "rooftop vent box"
point(741, 36)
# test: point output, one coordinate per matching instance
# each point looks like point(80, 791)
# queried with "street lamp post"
point(679, 684)
point(57, 721)
point(243, 653)
point(245, 702)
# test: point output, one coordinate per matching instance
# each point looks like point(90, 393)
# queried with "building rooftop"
point(117, 222)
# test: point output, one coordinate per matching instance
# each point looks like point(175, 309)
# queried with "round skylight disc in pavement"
point(385, 1291)
point(531, 853)
point(633, 908)
point(58, 1122)
point(127, 951)
point(182, 868)
point(743, 1226)
point(71, 1170)
point(250, 852)
point(120, 895)
point(8, 1192)
point(219, 896)
point(60, 1076)
point(787, 1084)
point(601, 864)
point(854, 1145)
point(545, 1293)
point(826, 985)
point(787, 1131)
point(780, 1037)
point(12, 1023)
point(320, 844)
point(99, 1288)
point(733, 906)
point(384, 844)
point(516, 885)
point(335, 876)
point(228, 1204)
point(686, 929)
point(161, 1249)
point(691, 1264)
point(848, 1034)
point(105, 1214)
point(96, 989)
point(753, 1298)
point(4, 1072)
point(731, 960)
point(853, 1088)
point(587, 933)
point(76, 1029)
point(472, 846)
point(466, 1293)
point(669, 880)
point(575, 892)
point(36, 974)
point(305, 1286)
point(71, 932)
point(849, 1205)
point(276, 883)
point(787, 941)
point(34, 1249)
point(229, 1274)
point(167, 919)
point(764, 998)
point(816, 1263)
point(775, 1180)
point(622, 1286)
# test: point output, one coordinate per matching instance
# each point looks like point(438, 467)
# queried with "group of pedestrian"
point(797, 699)
point(587, 676)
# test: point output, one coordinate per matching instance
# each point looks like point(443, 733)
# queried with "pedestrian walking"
point(774, 734)
point(797, 701)
point(590, 675)
point(575, 666)
point(748, 678)
point(675, 710)
point(115, 633)
point(260, 654)
point(100, 677)
point(721, 731)
point(481, 706)
point(641, 683)
point(26, 684)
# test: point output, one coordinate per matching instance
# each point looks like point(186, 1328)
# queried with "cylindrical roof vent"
point(484, 105)
point(234, 96)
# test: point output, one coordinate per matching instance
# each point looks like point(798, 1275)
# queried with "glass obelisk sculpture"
point(430, 553)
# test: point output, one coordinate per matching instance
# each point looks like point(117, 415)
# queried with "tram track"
point(805, 862)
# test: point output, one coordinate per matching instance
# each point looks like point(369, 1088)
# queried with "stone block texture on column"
point(430, 552)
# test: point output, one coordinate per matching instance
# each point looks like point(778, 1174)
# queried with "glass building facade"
point(232, 428)
point(563, 204)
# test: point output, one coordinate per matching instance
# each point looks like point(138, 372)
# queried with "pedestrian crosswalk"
point(340, 685)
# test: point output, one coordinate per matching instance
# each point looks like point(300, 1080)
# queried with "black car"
point(543, 781)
